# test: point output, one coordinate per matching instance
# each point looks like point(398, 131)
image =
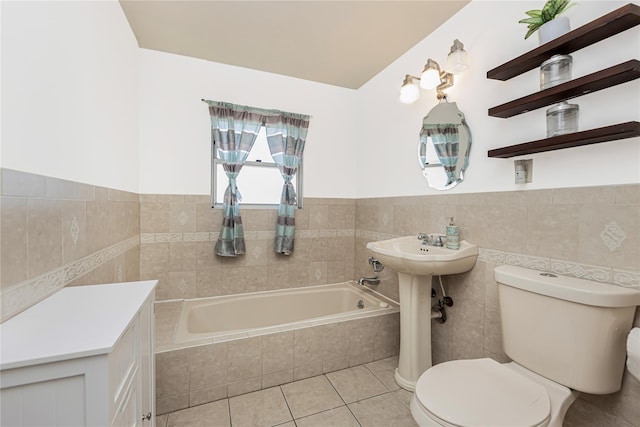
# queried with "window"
point(259, 181)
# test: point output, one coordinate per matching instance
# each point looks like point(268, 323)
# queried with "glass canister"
point(555, 70)
point(562, 118)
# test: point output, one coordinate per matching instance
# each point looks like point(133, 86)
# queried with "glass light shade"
point(430, 78)
point(409, 92)
point(458, 59)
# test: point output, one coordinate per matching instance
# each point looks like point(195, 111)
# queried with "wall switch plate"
point(523, 171)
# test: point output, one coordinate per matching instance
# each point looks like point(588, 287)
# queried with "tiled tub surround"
point(199, 374)
point(57, 233)
point(179, 232)
point(592, 233)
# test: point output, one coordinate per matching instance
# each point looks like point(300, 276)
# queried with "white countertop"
point(74, 322)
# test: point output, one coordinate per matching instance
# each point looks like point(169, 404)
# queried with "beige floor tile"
point(311, 396)
point(356, 383)
point(214, 414)
point(288, 424)
point(404, 396)
point(260, 408)
point(382, 411)
point(384, 370)
point(338, 417)
point(161, 420)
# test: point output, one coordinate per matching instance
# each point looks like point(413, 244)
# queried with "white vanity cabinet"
point(82, 357)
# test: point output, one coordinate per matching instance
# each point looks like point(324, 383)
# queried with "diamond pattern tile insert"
point(75, 230)
point(183, 286)
point(612, 235)
point(183, 218)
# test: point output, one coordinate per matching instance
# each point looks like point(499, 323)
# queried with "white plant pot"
point(553, 29)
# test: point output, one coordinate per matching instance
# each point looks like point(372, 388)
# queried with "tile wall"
point(592, 233)
point(179, 233)
point(57, 233)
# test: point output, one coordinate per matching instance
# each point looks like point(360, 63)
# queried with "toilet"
point(563, 335)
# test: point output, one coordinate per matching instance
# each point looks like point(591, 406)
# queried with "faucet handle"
point(422, 236)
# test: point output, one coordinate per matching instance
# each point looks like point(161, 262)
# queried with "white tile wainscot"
point(83, 356)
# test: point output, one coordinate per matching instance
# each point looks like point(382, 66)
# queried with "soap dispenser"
point(453, 235)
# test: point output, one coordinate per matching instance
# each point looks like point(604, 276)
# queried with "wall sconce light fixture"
point(433, 77)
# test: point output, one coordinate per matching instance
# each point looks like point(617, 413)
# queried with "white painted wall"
point(80, 101)
point(388, 130)
point(70, 92)
point(175, 136)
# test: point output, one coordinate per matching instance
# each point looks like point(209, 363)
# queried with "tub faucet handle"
point(377, 265)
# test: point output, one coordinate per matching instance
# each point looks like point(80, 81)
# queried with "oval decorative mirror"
point(445, 142)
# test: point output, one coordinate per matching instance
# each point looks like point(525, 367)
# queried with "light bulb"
point(457, 60)
point(430, 77)
point(409, 92)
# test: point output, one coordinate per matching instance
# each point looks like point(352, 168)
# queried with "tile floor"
point(365, 396)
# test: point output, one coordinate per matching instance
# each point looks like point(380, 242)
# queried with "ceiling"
point(342, 43)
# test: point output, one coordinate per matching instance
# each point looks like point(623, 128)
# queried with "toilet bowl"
point(563, 335)
point(483, 392)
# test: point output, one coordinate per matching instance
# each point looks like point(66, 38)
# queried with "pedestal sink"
point(416, 263)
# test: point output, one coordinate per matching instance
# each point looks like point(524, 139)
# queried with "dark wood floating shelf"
point(577, 139)
point(621, 19)
point(603, 79)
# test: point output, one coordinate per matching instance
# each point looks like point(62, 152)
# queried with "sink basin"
point(409, 256)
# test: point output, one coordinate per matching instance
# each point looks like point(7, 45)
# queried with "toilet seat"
point(481, 392)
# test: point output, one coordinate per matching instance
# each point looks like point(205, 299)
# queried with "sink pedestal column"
point(415, 329)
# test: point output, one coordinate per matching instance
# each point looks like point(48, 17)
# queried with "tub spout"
point(368, 281)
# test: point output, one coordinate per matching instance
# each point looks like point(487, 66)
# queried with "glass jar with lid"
point(562, 118)
point(555, 70)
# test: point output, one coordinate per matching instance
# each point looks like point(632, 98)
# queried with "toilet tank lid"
point(567, 288)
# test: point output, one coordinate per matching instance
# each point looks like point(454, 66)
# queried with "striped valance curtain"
point(234, 129)
point(286, 135)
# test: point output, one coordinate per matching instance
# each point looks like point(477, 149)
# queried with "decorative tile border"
point(628, 279)
point(374, 235)
point(248, 235)
point(27, 293)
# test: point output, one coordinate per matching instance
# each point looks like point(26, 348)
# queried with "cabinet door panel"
point(129, 414)
point(58, 402)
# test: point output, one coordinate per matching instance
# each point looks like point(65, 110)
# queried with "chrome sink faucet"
point(430, 239)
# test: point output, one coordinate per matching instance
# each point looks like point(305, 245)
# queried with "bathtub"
point(229, 317)
point(214, 348)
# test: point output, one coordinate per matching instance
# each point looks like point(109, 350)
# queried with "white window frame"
point(215, 162)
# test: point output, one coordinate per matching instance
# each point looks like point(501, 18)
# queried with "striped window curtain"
point(234, 129)
point(286, 135)
point(445, 139)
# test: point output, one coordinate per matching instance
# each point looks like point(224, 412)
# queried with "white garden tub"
point(236, 316)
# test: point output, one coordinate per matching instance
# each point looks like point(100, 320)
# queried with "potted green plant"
point(547, 20)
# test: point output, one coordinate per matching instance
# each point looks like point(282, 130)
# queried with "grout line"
point(229, 411)
point(287, 403)
point(336, 390)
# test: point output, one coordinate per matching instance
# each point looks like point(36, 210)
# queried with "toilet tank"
point(571, 331)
